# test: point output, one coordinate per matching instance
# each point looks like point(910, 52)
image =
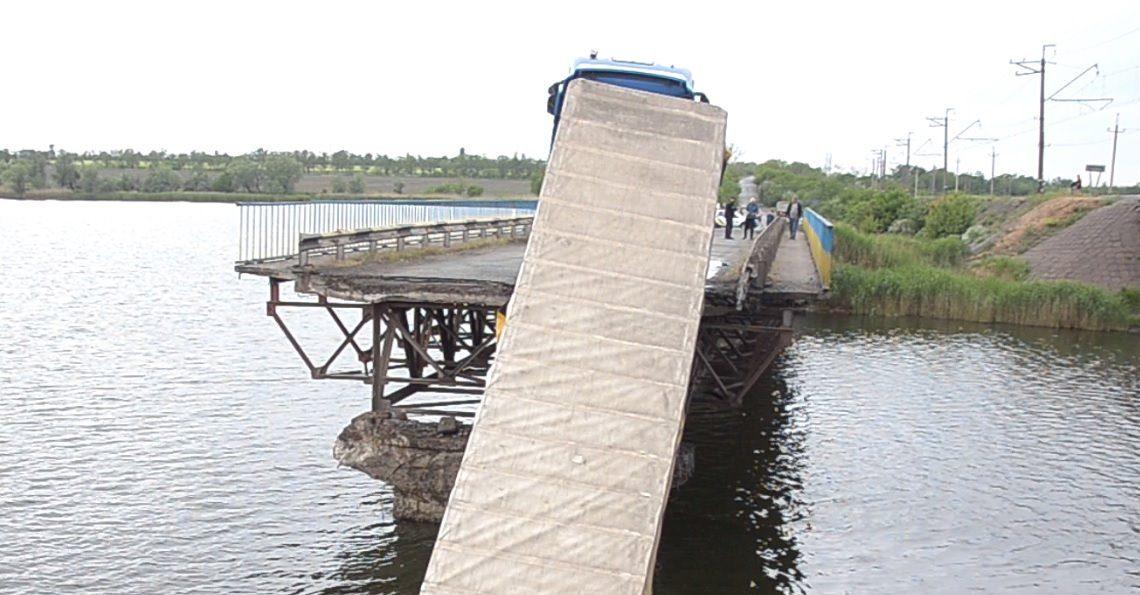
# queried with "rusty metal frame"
point(444, 347)
point(733, 352)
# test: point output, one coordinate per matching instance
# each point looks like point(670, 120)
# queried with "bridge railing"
point(270, 231)
point(821, 238)
point(759, 260)
point(340, 245)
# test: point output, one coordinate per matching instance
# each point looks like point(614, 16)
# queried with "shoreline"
point(243, 197)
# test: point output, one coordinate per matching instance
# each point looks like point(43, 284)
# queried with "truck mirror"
point(553, 95)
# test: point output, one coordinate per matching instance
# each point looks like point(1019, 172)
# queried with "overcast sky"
point(799, 81)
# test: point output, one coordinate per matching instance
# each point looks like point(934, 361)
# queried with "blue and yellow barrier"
point(821, 238)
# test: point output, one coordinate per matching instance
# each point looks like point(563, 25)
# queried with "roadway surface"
point(486, 275)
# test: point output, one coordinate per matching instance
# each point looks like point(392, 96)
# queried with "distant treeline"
point(256, 172)
point(462, 165)
point(779, 180)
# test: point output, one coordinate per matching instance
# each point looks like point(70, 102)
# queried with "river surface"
point(158, 435)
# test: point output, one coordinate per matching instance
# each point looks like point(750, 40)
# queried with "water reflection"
point(732, 528)
point(382, 559)
point(902, 456)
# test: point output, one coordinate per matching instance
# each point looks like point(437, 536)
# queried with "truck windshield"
point(641, 82)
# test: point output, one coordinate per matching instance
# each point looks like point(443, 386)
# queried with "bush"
point(162, 179)
point(474, 191)
point(881, 251)
point(447, 189)
point(1001, 267)
point(127, 183)
point(356, 184)
point(973, 234)
point(950, 215)
point(107, 185)
point(199, 181)
point(398, 187)
point(903, 226)
point(339, 186)
point(874, 211)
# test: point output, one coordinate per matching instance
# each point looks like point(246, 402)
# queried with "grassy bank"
point(897, 276)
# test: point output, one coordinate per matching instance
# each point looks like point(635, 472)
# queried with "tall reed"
point(918, 290)
point(878, 251)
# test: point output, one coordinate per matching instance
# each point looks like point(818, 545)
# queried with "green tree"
point(18, 176)
point(730, 183)
point(199, 180)
point(339, 185)
point(223, 183)
point(162, 179)
point(282, 172)
point(246, 174)
point(66, 174)
point(536, 179)
point(89, 179)
point(356, 184)
point(127, 183)
point(37, 177)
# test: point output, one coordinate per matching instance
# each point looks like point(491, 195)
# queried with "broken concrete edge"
point(420, 460)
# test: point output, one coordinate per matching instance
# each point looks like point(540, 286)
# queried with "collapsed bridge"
point(599, 313)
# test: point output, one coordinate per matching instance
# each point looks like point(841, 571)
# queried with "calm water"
point(157, 434)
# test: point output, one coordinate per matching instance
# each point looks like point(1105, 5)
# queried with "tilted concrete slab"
point(563, 485)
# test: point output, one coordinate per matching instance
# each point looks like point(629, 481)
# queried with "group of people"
point(753, 214)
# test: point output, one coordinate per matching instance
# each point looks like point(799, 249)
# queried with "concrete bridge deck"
point(486, 275)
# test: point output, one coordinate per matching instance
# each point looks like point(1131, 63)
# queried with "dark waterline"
point(160, 436)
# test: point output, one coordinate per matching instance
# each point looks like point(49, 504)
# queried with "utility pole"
point(944, 123)
point(957, 167)
point(993, 167)
point(901, 142)
point(1031, 67)
point(1039, 70)
point(1115, 132)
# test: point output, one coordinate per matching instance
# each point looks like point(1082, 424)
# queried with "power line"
point(1034, 67)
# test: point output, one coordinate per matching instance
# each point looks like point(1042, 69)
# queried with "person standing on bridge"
point(729, 215)
point(751, 213)
point(793, 213)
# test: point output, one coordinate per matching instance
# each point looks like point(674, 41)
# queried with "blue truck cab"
point(653, 78)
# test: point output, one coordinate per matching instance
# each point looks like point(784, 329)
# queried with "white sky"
point(799, 82)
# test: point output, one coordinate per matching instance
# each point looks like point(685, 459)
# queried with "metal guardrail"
point(341, 244)
point(269, 231)
point(821, 238)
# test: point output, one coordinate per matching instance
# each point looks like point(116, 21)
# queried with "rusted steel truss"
point(735, 349)
point(407, 347)
point(401, 348)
